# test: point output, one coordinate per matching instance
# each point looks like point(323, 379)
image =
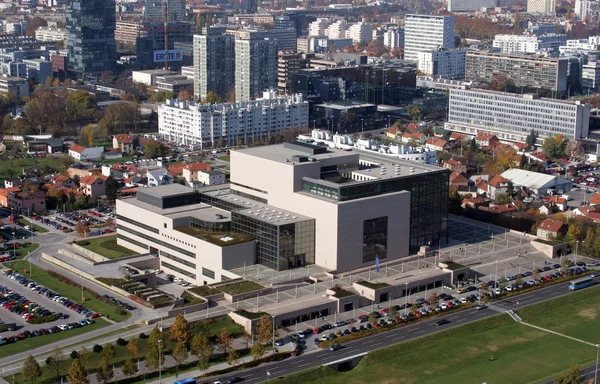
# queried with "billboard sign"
point(173, 55)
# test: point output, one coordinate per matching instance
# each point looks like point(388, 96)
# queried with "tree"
point(590, 238)
point(154, 149)
point(502, 282)
point(414, 112)
point(573, 234)
point(80, 106)
point(224, 340)
point(554, 146)
point(154, 337)
point(31, 370)
point(47, 111)
point(473, 146)
point(201, 347)
point(503, 198)
point(129, 97)
point(433, 299)
point(257, 350)
point(108, 352)
point(393, 313)
point(105, 372)
point(564, 265)
point(212, 98)
point(517, 24)
point(56, 361)
point(161, 97)
point(180, 330)
point(575, 149)
point(129, 368)
point(232, 356)
point(180, 354)
point(264, 329)
point(87, 135)
point(84, 357)
point(77, 374)
point(372, 318)
point(154, 358)
point(111, 188)
point(81, 228)
point(519, 279)
point(483, 290)
point(186, 95)
point(571, 376)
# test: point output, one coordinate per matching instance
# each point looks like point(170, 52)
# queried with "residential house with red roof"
point(93, 186)
point(79, 152)
point(124, 143)
point(455, 166)
point(458, 179)
point(411, 137)
point(550, 229)
point(595, 200)
point(497, 186)
point(436, 144)
point(484, 139)
point(393, 132)
point(559, 202)
point(588, 211)
point(482, 187)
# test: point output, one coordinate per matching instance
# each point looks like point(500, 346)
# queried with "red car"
point(107, 231)
point(296, 352)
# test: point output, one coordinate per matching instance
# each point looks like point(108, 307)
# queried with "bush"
point(43, 319)
point(3, 327)
point(49, 360)
point(97, 348)
point(143, 335)
point(122, 342)
point(74, 355)
point(83, 243)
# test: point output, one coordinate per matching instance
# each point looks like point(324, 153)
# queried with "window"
point(208, 273)
point(375, 234)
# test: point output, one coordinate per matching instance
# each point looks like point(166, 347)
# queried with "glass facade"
point(429, 200)
point(211, 226)
point(375, 235)
point(279, 246)
point(91, 44)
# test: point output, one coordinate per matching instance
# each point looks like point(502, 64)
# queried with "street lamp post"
point(159, 362)
point(405, 298)
point(273, 334)
point(576, 248)
point(14, 246)
point(596, 371)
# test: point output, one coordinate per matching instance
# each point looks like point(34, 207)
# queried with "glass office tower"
point(91, 45)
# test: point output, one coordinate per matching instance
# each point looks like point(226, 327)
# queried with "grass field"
point(225, 158)
point(107, 247)
point(73, 292)
point(240, 287)
point(25, 249)
point(521, 354)
point(10, 168)
point(35, 227)
point(30, 344)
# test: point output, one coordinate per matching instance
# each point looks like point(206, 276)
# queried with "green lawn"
point(106, 246)
point(241, 287)
point(225, 158)
point(30, 344)
point(521, 354)
point(25, 249)
point(73, 292)
point(204, 290)
point(36, 228)
point(10, 168)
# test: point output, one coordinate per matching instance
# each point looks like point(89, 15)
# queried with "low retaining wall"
point(188, 309)
point(108, 261)
point(233, 298)
point(96, 257)
point(75, 256)
point(550, 250)
point(249, 325)
point(66, 266)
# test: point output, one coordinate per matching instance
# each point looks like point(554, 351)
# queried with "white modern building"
point(590, 76)
point(469, 5)
point(189, 123)
point(587, 46)
point(337, 30)
point(51, 34)
point(442, 63)
point(426, 33)
point(360, 32)
point(582, 7)
point(393, 37)
point(154, 10)
point(318, 27)
point(529, 44)
point(546, 7)
point(148, 77)
point(511, 117)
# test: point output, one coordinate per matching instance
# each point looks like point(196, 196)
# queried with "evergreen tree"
point(31, 370)
point(77, 373)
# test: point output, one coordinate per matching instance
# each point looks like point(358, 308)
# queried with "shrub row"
point(43, 319)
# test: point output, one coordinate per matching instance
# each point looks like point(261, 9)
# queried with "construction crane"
point(166, 21)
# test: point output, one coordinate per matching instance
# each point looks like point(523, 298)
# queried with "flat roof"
point(257, 210)
point(280, 153)
point(199, 211)
point(167, 190)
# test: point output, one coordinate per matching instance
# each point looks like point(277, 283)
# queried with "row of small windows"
point(208, 273)
point(177, 259)
point(179, 270)
point(137, 223)
point(155, 240)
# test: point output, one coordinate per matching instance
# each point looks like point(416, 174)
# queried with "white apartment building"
point(580, 46)
point(190, 123)
point(529, 44)
point(426, 33)
point(442, 63)
point(318, 27)
point(51, 34)
point(360, 32)
point(469, 5)
point(255, 64)
point(590, 76)
point(337, 30)
point(547, 7)
point(394, 37)
point(582, 8)
point(511, 117)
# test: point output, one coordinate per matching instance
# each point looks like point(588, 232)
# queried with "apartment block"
point(445, 64)
point(214, 63)
point(511, 116)
point(255, 64)
point(523, 70)
point(190, 123)
point(426, 33)
point(530, 44)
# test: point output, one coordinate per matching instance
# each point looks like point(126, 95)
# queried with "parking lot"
point(15, 285)
point(63, 221)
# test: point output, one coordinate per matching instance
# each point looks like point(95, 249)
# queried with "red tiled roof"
point(437, 142)
point(77, 148)
point(393, 130)
point(520, 146)
point(412, 127)
point(595, 200)
point(457, 136)
point(484, 136)
point(481, 184)
point(125, 139)
point(497, 180)
point(456, 177)
point(194, 167)
point(551, 225)
point(557, 200)
point(88, 180)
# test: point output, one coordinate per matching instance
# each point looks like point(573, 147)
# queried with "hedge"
point(43, 319)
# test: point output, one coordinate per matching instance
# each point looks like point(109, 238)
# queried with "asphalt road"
point(398, 335)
